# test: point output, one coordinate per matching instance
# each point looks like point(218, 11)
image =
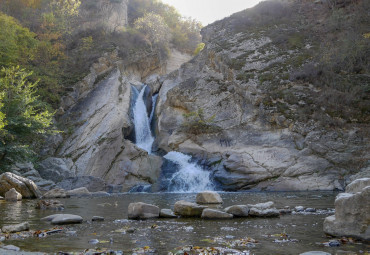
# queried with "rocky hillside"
point(277, 100)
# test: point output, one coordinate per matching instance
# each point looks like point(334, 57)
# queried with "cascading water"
point(143, 135)
point(190, 177)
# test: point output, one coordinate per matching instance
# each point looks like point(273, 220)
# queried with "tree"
point(154, 28)
point(24, 119)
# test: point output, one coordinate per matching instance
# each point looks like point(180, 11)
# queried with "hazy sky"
point(208, 11)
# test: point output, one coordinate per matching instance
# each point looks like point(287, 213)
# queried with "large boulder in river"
point(56, 169)
point(142, 211)
point(209, 197)
point(188, 209)
point(13, 196)
point(26, 187)
point(238, 210)
point(352, 217)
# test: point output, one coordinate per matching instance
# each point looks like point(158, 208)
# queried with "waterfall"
point(189, 177)
point(143, 135)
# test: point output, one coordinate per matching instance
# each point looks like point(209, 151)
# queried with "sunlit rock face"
point(252, 139)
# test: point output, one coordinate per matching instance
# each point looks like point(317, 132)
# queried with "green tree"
point(24, 118)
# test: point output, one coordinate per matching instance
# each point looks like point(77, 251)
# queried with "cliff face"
point(239, 107)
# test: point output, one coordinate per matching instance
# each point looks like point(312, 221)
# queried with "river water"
point(164, 235)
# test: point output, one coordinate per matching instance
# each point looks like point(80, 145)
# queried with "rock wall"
point(247, 144)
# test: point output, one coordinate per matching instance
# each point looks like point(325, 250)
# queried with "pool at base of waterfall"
point(303, 230)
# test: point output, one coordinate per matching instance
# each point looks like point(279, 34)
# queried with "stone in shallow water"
point(315, 253)
point(56, 193)
point(238, 210)
point(11, 248)
point(97, 218)
point(16, 228)
point(215, 214)
point(79, 192)
point(188, 209)
point(49, 204)
point(60, 219)
point(167, 213)
point(142, 211)
point(262, 206)
point(209, 197)
point(13, 196)
point(272, 212)
point(299, 208)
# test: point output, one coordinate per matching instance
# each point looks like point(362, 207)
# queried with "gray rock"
point(262, 206)
point(80, 192)
point(315, 253)
point(61, 219)
point(358, 185)
point(43, 184)
point(299, 208)
point(13, 196)
point(215, 214)
point(238, 210)
point(1, 198)
point(352, 217)
point(56, 193)
point(188, 209)
point(271, 212)
point(26, 187)
point(16, 228)
point(167, 213)
point(97, 218)
point(32, 173)
point(49, 205)
point(142, 211)
point(311, 210)
point(92, 183)
point(208, 197)
point(56, 169)
point(11, 248)
point(94, 241)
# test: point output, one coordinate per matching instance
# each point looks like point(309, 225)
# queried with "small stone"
point(94, 241)
point(131, 230)
point(262, 206)
point(209, 197)
point(285, 211)
point(13, 196)
point(238, 210)
point(299, 208)
point(167, 213)
point(71, 233)
point(97, 218)
point(215, 214)
point(60, 219)
point(334, 243)
point(315, 253)
point(16, 228)
point(80, 192)
point(142, 211)
point(310, 210)
point(188, 209)
point(49, 204)
point(2, 238)
point(272, 212)
point(11, 248)
point(1, 198)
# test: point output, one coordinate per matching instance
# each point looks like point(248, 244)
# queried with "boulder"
point(56, 193)
point(56, 169)
point(215, 214)
point(238, 210)
point(49, 204)
point(358, 185)
point(271, 212)
point(16, 228)
point(142, 211)
point(61, 219)
point(188, 209)
point(97, 218)
point(262, 206)
point(209, 197)
point(92, 183)
point(26, 187)
point(80, 192)
point(167, 213)
point(352, 217)
point(13, 195)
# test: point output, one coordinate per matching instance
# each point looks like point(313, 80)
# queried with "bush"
point(197, 124)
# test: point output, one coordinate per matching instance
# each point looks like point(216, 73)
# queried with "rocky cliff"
point(239, 108)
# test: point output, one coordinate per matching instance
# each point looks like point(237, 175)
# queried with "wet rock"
point(358, 185)
point(11, 248)
point(142, 211)
point(285, 211)
point(97, 218)
point(238, 210)
point(2, 238)
point(299, 208)
point(60, 219)
point(311, 210)
point(56, 169)
point(13, 196)
point(56, 193)
point(315, 253)
point(209, 197)
point(262, 206)
point(334, 243)
point(352, 215)
point(1, 198)
point(215, 214)
point(131, 230)
point(80, 192)
point(167, 213)
point(94, 241)
point(16, 228)
point(271, 212)
point(188, 209)
point(49, 205)
point(26, 187)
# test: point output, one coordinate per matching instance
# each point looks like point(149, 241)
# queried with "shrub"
point(196, 123)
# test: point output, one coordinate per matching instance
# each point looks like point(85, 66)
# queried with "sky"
point(208, 11)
